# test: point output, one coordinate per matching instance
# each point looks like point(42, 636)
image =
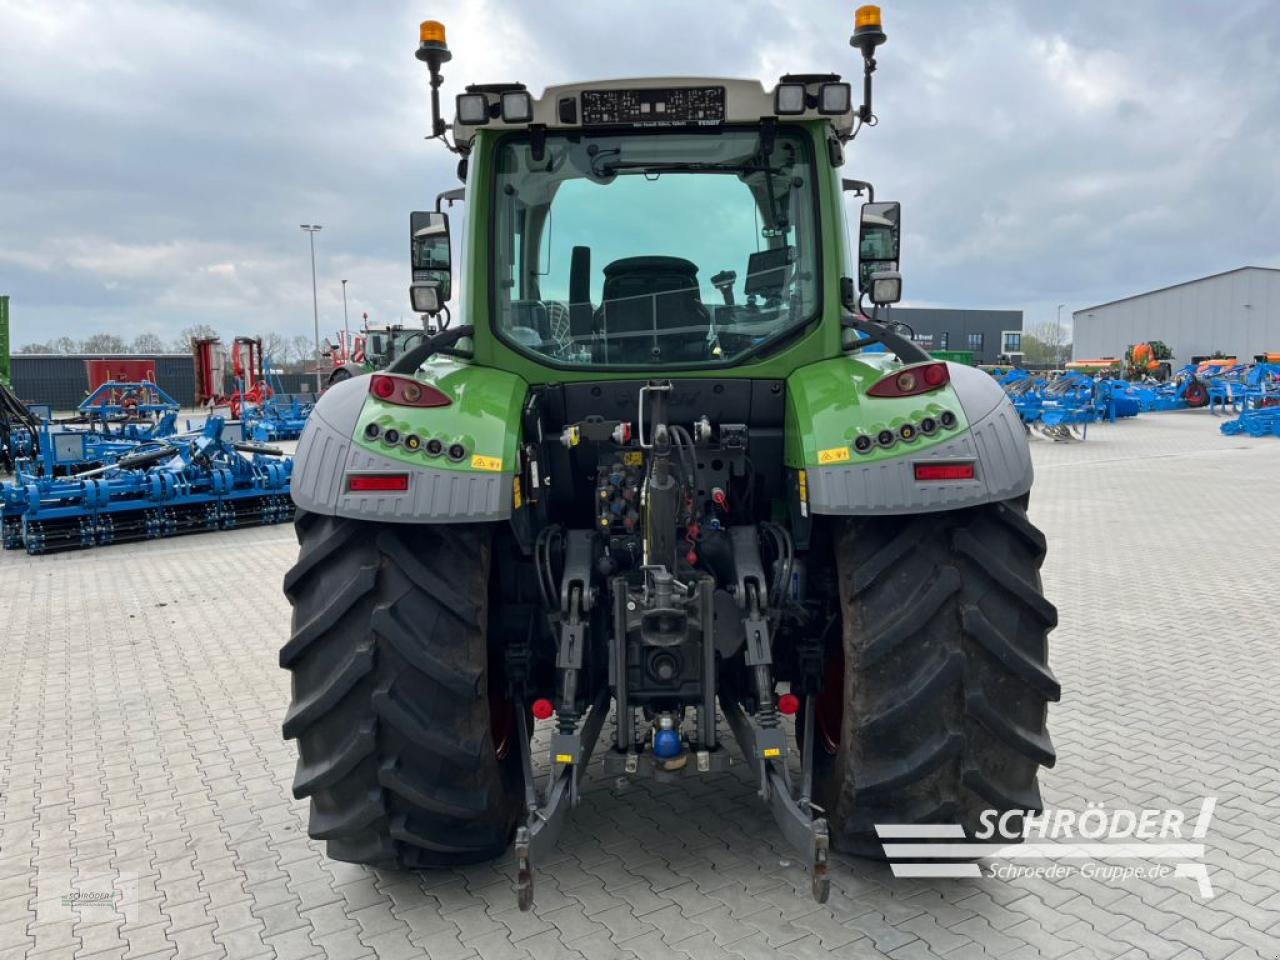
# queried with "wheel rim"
point(828, 709)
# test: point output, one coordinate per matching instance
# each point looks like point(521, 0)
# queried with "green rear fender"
point(968, 426)
point(482, 419)
point(460, 459)
point(828, 409)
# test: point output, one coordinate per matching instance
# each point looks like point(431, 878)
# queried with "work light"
point(517, 107)
point(473, 109)
point(788, 98)
point(834, 98)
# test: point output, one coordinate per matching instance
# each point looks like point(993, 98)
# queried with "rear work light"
point(406, 391)
point(944, 471)
point(911, 381)
point(378, 482)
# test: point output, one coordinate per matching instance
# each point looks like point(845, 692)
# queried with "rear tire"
point(939, 712)
point(391, 694)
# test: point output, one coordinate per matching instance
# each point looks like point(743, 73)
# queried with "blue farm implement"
point(1063, 407)
point(275, 415)
point(280, 417)
point(163, 488)
point(1257, 400)
point(1255, 421)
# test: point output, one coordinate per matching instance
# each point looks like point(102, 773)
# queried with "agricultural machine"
point(1255, 398)
point(668, 460)
point(1063, 406)
point(1149, 360)
point(248, 373)
point(147, 489)
point(374, 349)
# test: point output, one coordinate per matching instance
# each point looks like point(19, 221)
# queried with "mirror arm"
point(411, 361)
point(857, 186)
point(450, 197)
point(906, 350)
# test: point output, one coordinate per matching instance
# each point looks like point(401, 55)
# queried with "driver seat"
point(644, 294)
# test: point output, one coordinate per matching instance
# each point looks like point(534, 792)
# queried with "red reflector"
point(382, 387)
point(788, 704)
point(542, 709)
point(378, 482)
point(944, 471)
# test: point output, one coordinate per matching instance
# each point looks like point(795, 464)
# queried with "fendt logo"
point(1151, 844)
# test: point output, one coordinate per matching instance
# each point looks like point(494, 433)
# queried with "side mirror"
point(425, 297)
point(879, 241)
point(886, 287)
point(429, 252)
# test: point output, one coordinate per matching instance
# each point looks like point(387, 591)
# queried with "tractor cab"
point(679, 224)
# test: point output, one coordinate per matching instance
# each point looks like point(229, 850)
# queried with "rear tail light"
point(912, 381)
point(406, 391)
point(378, 482)
point(944, 471)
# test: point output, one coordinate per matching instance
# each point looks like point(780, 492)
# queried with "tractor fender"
point(991, 437)
point(483, 416)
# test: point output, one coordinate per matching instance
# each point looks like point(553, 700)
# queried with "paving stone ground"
point(144, 788)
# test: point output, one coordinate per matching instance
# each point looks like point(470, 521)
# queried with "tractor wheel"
point(406, 743)
point(339, 375)
point(934, 701)
point(1197, 395)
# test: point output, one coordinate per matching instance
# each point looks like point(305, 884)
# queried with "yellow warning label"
point(481, 462)
point(633, 458)
point(834, 455)
point(802, 476)
point(564, 758)
point(516, 497)
point(770, 752)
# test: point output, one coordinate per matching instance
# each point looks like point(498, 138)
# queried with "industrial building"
point(988, 334)
point(1237, 313)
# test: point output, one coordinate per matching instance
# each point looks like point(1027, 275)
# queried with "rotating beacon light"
point(433, 51)
point(867, 35)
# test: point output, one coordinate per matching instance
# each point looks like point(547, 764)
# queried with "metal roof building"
point(1237, 312)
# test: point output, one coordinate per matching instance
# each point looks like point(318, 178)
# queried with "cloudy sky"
point(157, 157)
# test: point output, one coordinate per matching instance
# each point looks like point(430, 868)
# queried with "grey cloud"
point(155, 176)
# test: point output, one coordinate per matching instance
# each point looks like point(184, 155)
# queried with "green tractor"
point(664, 469)
point(376, 348)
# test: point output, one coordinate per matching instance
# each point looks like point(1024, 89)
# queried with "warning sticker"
point(481, 462)
point(834, 455)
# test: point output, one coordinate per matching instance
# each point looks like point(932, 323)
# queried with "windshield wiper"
point(608, 169)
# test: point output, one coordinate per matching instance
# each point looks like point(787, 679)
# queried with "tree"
point(104, 343)
point(65, 345)
point(197, 331)
point(302, 350)
point(148, 343)
point(1053, 343)
point(37, 348)
point(275, 348)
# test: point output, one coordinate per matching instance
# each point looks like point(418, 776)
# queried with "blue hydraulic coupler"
point(666, 743)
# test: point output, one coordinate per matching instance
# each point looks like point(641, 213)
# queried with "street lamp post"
point(312, 229)
point(346, 326)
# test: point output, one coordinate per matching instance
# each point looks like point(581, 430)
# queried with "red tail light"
point(944, 471)
point(910, 381)
point(406, 391)
point(378, 482)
